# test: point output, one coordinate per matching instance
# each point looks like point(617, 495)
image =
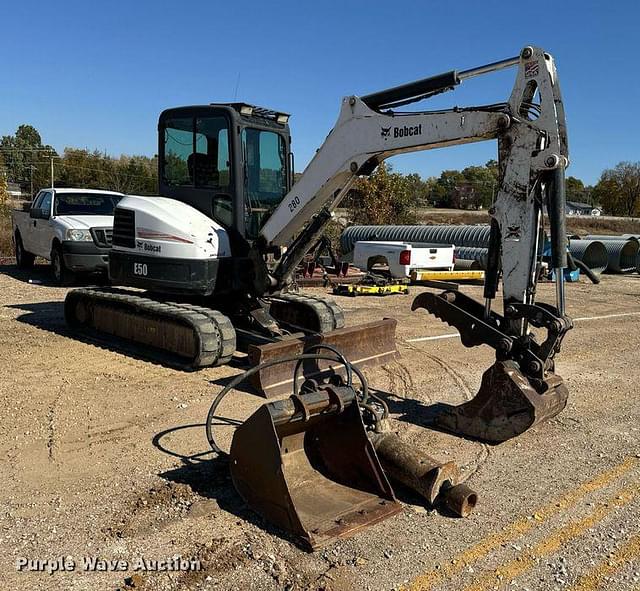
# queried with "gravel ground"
point(104, 455)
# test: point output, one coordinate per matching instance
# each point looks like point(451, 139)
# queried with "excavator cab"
point(230, 161)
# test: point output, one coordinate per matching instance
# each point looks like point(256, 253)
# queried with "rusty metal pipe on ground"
point(437, 482)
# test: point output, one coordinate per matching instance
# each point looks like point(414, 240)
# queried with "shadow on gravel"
point(417, 413)
point(208, 476)
point(41, 275)
point(50, 316)
point(38, 274)
point(241, 363)
point(46, 315)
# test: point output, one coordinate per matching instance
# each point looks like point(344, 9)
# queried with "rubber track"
point(328, 312)
point(214, 331)
point(227, 333)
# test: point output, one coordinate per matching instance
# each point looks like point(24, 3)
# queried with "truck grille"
point(102, 236)
point(124, 228)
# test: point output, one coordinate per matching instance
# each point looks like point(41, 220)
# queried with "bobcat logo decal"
point(385, 132)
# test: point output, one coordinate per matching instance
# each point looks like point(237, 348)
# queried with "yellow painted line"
point(595, 577)
point(514, 530)
point(554, 542)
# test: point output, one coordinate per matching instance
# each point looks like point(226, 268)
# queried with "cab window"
point(196, 152)
point(45, 203)
point(265, 175)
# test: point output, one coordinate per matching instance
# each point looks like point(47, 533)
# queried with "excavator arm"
point(532, 146)
point(533, 154)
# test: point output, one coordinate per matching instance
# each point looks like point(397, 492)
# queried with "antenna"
point(235, 92)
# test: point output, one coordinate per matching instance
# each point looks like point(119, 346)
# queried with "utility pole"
point(51, 157)
point(31, 167)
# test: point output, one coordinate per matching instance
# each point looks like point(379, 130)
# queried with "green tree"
point(96, 170)
point(26, 158)
point(618, 190)
point(576, 191)
point(419, 188)
point(481, 186)
point(383, 198)
point(445, 192)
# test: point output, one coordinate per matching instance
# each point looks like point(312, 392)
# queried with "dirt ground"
point(104, 455)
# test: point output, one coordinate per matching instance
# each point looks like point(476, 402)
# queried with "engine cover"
point(165, 245)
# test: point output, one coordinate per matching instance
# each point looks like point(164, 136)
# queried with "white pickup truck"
point(72, 228)
point(401, 258)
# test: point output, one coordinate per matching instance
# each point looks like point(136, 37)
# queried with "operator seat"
point(203, 170)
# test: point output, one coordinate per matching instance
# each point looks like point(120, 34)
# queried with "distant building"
point(575, 208)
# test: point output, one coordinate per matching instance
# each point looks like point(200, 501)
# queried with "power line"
point(106, 171)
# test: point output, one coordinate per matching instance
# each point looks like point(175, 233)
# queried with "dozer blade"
point(505, 406)
point(307, 466)
point(366, 345)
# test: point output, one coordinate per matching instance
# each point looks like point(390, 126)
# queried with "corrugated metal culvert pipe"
point(591, 252)
point(622, 255)
point(471, 254)
point(611, 237)
point(472, 236)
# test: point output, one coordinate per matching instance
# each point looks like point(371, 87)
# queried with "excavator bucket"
point(505, 406)
point(366, 345)
point(306, 465)
point(508, 402)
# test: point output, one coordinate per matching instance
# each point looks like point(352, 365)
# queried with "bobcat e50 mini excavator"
point(218, 251)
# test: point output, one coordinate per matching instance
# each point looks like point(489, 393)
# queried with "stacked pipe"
point(469, 236)
point(622, 252)
point(468, 257)
point(613, 254)
point(612, 237)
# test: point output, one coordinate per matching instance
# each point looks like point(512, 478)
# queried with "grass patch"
point(6, 244)
point(575, 224)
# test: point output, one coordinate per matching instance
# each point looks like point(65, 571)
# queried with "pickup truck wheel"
point(24, 259)
point(61, 274)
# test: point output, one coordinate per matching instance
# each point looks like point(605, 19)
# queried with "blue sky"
point(97, 74)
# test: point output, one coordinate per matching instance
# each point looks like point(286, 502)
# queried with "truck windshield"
point(85, 204)
point(265, 158)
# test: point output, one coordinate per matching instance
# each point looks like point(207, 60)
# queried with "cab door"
point(42, 229)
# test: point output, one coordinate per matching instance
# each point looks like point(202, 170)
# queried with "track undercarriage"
point(190, 335)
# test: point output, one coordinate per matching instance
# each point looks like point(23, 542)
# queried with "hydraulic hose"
point(585, 269)
point(243, 376)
